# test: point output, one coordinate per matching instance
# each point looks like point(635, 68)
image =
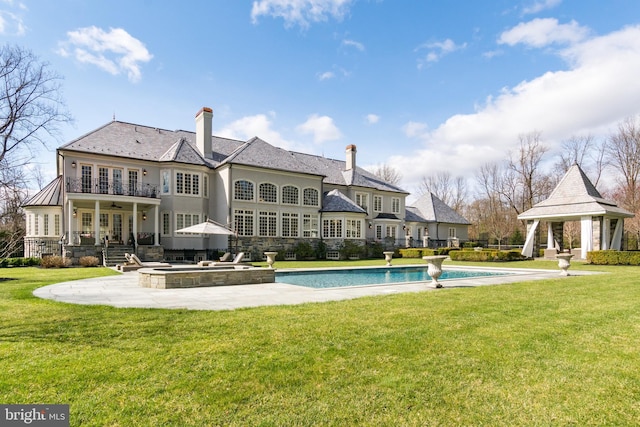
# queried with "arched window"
point(268, 193)
point(243, 190)
point(310, 197)
point(289, 195)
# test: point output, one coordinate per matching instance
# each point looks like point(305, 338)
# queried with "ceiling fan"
point(114, 206)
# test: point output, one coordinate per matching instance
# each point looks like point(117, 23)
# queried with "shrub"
point(16, 262)
point(611, 257)
point(30, 262)
point(89, 261)
point(304, 250)
point(4, 262)
point(486, 256)
point(55, 261)
point(420, 252)
point(349, 249)
point(375, 250)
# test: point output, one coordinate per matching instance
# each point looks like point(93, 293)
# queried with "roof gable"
point(432, 209)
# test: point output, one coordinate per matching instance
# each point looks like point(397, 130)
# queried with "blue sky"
point(424, 86)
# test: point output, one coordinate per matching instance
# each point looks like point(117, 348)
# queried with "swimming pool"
point(320, 279)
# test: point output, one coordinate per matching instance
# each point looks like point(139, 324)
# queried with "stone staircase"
point(115, 254)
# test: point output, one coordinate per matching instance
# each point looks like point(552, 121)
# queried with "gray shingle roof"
point(50, 195)
point(412, 214)
point(433, 209)
point(335, 201)
point(573, 197)
point(133, 141)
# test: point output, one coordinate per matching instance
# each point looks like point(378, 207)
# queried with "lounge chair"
point(134, 263)
point(236, 260)
point(225, 257)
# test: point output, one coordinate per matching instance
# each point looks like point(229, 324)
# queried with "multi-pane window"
point(166, 223)
point(37, 228)
point(205, 185)
point(290, 224)
point(332, 228)
point(183, 220)
point(86, 222)
point(452, 232)
point(310, 197)
point(362, 200)
point(187, 183)
point(353, 228)
point(309, 225)
point(117, 181)
point(268, 193)
point(244, 222)
point(391, 231)
point(289, 195)
point(133, 182)
point(378, 232)
point(179, 182)
point(243, 190)
point(103, 180)
point(56, 224)
point(377, 203)
point(267, 224)
point(45, 219)
point(86, 178)
point(395, 204)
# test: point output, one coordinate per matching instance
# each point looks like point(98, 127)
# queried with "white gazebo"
point(575, 198)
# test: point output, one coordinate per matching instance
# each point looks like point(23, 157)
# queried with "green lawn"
point(555, 352)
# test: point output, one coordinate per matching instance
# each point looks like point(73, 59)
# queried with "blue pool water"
point(371, 276)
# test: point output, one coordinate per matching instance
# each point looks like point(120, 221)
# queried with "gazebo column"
point(527, 249)
point(606, 237)
point(616, 241)
point(550, 244)
point(586, 236)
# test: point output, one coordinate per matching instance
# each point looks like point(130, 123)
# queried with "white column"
point(606, 237)
point(156, 225)
point(96, 226)
point(616, 241)
point(550, 243)
point(70, 221)
point(135, 224)
point(586, 235)
point(527, 249)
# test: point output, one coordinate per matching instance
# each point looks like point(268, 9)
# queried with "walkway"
point(123, 291)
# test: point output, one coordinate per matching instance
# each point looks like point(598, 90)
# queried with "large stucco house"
point(132, 186)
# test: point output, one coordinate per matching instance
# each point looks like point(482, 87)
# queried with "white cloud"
point(259, 125)
point(543, 32)
point(598, 89)
point(11, 23)
point(372, 118)
point(353, 43)
point(321, 127)
point(300, 12)
point(539, 6)
point(114, 51)
point(437, 50)
point(327, 75)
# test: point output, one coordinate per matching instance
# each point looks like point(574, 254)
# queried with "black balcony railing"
point(99, 186)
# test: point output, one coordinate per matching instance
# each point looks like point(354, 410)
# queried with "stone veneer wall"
point(168, 278)
point(74, 253)
point(150, 253)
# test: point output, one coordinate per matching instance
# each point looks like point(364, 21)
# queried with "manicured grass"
point(553, 352)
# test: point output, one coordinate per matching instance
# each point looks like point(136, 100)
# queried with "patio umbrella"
point(207, 227)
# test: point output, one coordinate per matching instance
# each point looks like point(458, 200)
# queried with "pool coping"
point(122, 291)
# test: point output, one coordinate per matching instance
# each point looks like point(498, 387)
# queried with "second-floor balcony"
point(120, 188)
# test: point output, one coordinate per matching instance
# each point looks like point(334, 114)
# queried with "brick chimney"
point(351, 157)
point(203, 131)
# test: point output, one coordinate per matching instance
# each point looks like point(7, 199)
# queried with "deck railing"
point(120, 188)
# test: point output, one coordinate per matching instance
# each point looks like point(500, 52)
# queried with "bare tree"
point(31, 109)
point(387, 173)
point(584, 151)
point(525, 164)
point(31, 106)
point(452, 191)
point(623, 149)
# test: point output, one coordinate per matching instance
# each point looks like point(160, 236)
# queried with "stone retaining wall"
point(170, 278)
